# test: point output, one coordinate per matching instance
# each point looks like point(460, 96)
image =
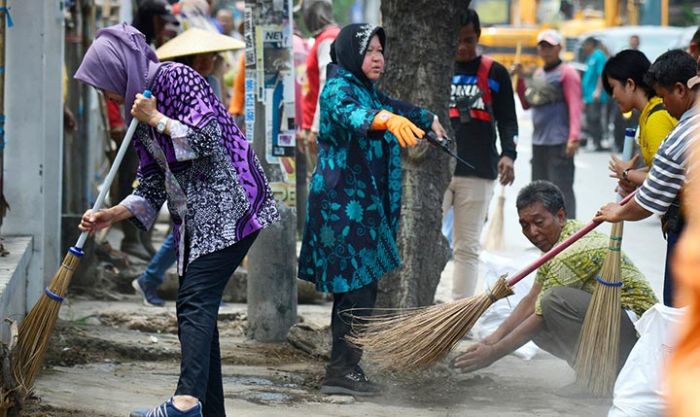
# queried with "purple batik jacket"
point(220, 189)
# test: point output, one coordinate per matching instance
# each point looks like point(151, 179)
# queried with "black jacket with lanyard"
point(482, 103)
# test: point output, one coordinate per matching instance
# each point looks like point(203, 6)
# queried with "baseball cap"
point(550, 36)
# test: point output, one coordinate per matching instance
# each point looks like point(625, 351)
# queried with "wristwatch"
point(162, 124)
point(624, 174)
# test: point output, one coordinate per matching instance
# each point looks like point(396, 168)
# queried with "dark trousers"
point(550, 163)
point(344, 356)
point(563, 312)
point(671, 240)
point(198, 301)
point(593, 113)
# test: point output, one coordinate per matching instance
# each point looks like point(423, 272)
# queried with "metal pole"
point(3, 203)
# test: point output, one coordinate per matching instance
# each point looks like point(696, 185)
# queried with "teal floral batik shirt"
point(355, 191)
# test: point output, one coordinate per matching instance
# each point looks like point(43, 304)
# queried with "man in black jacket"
point(481, 103)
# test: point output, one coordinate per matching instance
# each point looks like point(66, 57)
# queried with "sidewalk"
point(108, 358)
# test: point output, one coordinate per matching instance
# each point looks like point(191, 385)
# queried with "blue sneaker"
point(167, 409)
point(150, 296)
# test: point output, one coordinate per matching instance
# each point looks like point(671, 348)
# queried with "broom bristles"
point(416, 338)
point(37, 327)
point(494, 234)
point(597, 357)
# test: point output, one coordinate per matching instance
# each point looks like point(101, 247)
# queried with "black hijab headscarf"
point(349, 48)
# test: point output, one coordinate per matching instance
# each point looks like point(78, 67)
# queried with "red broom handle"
point(560, 247)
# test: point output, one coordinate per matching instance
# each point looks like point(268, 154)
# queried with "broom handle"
point(627, 149)
point(107, 183)
point(559, 248)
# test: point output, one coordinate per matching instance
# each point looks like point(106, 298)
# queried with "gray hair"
point(543, 191)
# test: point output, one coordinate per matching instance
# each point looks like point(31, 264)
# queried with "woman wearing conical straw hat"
point(354, 197)
point(192, 154)
point(553, 312)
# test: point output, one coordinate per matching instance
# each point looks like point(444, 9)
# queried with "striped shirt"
point(668, 169)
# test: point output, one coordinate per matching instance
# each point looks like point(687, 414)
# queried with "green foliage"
point(341, 11)
point(687, 16)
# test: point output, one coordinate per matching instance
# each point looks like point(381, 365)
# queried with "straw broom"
point(494, 235)
point(38, 326)
point(597, 356)
point(598, 350)
point(419, 337)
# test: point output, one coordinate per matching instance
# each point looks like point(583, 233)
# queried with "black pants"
point(198, 301)
point(672, 237)
point(593, 113)
point(344, 356)
point(550, 163)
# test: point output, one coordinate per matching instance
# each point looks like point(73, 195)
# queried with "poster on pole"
point(278, 77)
point(248, 36)
point(249, 110)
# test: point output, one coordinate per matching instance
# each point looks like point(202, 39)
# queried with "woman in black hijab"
point(355, 193)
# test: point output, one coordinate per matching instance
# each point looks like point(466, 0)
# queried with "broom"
point(418, 337)
point(597, 356)
point(494, 234)
point(598, 350)
point(37, 327)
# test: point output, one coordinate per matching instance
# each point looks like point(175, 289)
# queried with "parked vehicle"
point(653, 40)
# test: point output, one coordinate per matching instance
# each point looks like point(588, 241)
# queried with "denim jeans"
point(198, 300)
point(161, 261)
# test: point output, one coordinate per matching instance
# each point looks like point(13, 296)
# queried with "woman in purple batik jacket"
point(193, 155)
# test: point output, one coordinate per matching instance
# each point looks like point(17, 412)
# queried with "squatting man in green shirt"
point(552, 313)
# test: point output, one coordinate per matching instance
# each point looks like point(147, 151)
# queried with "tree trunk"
point(421, 42)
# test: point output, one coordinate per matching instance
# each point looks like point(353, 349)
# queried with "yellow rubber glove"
point(405, 131)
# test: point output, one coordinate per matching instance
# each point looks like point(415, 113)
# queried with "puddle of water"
point(254, 380)
point(265, 396)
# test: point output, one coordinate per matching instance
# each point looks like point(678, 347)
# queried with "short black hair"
point(696, 37)
point(592, 40)
point(674, 66)
point(543, 191)
point(470, 16)
point(628, 64)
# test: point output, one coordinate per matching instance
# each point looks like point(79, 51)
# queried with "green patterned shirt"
point(580, 263)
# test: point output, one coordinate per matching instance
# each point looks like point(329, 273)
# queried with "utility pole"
point(269, 118)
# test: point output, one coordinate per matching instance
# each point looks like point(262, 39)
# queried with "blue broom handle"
point(627, 149)
point(628, 146)
point(107, 183)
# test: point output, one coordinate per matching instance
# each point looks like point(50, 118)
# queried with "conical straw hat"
point(197, 41)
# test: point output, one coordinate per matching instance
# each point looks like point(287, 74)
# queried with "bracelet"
point(624, 174)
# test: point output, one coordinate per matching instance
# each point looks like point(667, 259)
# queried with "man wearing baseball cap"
point(554, 94)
